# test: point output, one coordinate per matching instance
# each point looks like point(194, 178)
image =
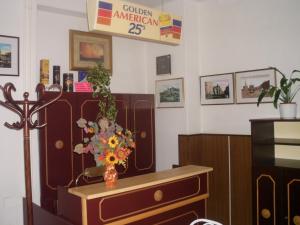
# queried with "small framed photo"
point(169, 93)
point(217, 89)
point(163, 65)
point(9, 55)
point(87, 49)
point(250, 83)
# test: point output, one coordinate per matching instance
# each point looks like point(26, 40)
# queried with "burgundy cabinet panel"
point(60, 166)
point(143, 127)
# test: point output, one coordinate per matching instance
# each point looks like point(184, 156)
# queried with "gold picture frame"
point(87, 49)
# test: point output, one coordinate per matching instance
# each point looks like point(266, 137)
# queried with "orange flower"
point(121, 154)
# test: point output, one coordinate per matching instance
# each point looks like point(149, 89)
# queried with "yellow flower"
point(111, 158)
point(113, 141)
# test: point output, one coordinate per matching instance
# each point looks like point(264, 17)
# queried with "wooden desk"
point(176, 195)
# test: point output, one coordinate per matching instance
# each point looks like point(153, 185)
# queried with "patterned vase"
point(110, 175)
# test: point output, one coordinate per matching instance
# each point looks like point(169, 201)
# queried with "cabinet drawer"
point(182, 215)
point(183, 192)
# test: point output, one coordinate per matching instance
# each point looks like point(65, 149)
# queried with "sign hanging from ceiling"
point(134, 21)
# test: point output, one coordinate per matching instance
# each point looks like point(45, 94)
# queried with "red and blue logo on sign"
point(104, 13)
point(176, 29)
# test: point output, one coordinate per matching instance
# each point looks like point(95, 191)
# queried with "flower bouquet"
point(109, 144)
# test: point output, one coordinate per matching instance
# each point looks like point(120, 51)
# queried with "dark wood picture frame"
point(163, 65)
point(9, 56)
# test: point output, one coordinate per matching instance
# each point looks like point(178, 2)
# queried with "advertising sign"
point(134, 21)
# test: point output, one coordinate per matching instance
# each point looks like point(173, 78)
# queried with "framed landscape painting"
point(217, 89)
point(169, 93)
point(9, 56)
point(87, 49)
point(250, 83)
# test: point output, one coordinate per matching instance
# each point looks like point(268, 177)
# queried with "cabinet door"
point(292, 188)
point(142, 124)
point(266, 189)
point(56, 149)
point(213, 152)
point(87, 108)
point(240, 177)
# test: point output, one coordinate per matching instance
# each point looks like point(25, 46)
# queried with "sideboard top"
point(136, 182)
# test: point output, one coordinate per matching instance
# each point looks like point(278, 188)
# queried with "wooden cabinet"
point(276, 171)
point(165, 199)
point(230, 182)
point(60, 166)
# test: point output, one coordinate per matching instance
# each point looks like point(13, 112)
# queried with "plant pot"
point(288, 110)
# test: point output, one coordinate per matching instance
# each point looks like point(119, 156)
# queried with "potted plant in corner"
point(284, 93)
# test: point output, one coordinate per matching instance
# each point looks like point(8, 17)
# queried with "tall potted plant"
point(284, 93)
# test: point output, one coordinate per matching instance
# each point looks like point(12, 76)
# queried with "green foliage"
point(99, 78)
point(284, 93)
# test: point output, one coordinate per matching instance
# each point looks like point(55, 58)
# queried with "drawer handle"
point(296, 220)
point(59, 144)
point(265, 213)
point(158, 195)
point(143, 134)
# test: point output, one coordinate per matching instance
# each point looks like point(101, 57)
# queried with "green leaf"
point(275, 101)
point(99, 78)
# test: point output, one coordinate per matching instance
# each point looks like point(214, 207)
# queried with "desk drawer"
point(110, 209)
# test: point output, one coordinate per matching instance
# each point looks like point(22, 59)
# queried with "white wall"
point(11, 153)
point(243, 35)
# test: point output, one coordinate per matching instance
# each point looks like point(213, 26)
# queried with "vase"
point(110, 175)
point(288, 110)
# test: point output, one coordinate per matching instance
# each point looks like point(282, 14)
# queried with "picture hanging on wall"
point(9, 56)
point(87, 49)
point(163, 65)
point(250, 83)
point(169, 93)
point(217, 89)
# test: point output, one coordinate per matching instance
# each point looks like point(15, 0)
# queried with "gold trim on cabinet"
point(265, 213)
point(257, 198)
point(46, 147)
point(143, 134)
point(159, 210)
point(296, 220)
point(288, 199)
point(150, 207)
point(82, 156)
point(158, 195)
point(84, 212)
point(135, 130)
point(176, 217)
point(59, 144)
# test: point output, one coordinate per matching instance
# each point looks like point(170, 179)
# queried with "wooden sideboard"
point(276, 171)
point(154, 198)
point(60, 166)
point(230, 183)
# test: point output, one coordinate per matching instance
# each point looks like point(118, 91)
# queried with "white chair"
point(205, 222)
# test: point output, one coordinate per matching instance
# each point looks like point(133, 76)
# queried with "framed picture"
point(169, 93)
point(163, 65)
point(250, 83)
point(87, 49)
point(9, 55)
point(217, 89)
